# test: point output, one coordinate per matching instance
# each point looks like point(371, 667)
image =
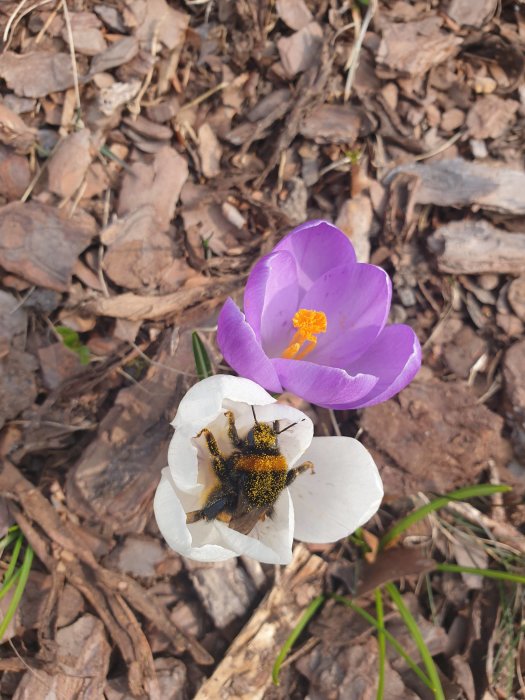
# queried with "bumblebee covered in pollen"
point(250, 479)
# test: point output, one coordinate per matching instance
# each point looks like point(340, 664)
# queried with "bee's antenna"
point(290, 426)
point(254, 416)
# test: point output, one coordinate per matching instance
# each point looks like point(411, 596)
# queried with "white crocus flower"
point(344, 491)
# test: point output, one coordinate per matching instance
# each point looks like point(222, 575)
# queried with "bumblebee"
point(250, 479)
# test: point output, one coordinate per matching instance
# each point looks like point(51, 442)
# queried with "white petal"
point(345, 491)
point(270, 541)
point(203, 402)
point(171, 519)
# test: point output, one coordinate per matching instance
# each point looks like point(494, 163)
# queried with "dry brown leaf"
point(302, 49)
point(332, 124)
point(156, 19)
point(294, 13)
point(158, 183)
point(210, 151)
point(149, 129)
point(15, 174)
point(490, 116)
point(37, 73)
point(68, 165)
point(138, 253)
point(57, 364)
point(87, 37)
point(115, 55)
point(204, 221)
point(466, 12)
point(412, 48)
point(14, 132)
point(41, 244)
point(516, 296)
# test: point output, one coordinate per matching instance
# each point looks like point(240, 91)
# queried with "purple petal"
point(241, 350)
point(395, 358)
point(270, 301)
point(356, 301)
point(317, 247)
point(324, 386)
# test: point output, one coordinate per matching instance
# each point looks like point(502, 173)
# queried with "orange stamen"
point(309, 324)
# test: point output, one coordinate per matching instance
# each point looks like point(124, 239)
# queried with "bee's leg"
point(232, 430)
point(218, 461)
point(214, 508)
point(292, 473)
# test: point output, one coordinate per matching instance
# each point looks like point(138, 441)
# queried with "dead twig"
point(353, 60)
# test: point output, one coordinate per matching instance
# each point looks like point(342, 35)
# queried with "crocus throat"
point(309, 324)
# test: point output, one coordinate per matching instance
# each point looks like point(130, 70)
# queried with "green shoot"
point(303, 622)
point(414, 630)
point(381, 642)
point(440, 502)
point(17, 579)
point(389, 637)
point(202, 361)
point(71, 340)
point(488, 573)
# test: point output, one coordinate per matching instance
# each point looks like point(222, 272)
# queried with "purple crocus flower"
point(314, 324)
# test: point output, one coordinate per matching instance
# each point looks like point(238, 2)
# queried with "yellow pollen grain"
point(309, 324)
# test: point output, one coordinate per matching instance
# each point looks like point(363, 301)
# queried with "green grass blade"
point(8, 539)
point(389, 637)
point(460, 495)
point(381, 642)
point(488, 573)
point(22, 575)
point(414, 630)
point(299, 627)
point(202, 361)
point(7, 585)
point(14, 558)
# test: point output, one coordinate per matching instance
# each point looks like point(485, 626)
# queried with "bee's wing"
point(246, 517)
point(245, 522)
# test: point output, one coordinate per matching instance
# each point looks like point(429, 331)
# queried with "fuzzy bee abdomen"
point(260, 463)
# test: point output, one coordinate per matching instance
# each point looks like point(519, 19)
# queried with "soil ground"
point(150, 152)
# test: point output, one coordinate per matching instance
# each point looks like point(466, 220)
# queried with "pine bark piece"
point(224, 589)
point(458, 183)
point(116, 476)
point(245, 672)
point(442, 420)
point(474, 247)
point(83, 654)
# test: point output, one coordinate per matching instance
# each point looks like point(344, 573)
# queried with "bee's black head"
point(262, 436)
